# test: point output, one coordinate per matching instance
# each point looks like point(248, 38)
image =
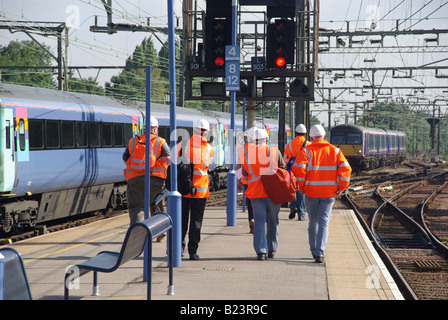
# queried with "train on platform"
point(61, 152)
point(369, 148)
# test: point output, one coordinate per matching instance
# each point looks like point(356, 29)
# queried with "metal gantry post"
point(174, 198)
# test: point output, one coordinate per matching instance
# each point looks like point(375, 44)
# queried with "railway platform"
point(227, 269)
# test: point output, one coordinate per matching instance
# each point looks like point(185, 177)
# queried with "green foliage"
point(131, 82)
point(23, 54)
point(88, 86)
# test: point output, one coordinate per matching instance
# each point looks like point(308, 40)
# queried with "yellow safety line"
point(74, 246)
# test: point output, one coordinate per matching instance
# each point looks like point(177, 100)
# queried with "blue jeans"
point(299, 203)
point(266, 224)
point(319, 211)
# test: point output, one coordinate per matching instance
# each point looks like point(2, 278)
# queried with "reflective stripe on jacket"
point(241, 155)
point(135, 165)
point(201, 153)
point(160, 167)
point(259, 160)
point(322, 170)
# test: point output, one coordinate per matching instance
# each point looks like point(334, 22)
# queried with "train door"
point(7, 158)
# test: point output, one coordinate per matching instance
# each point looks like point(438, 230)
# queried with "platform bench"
point(133, 246)
point(13, 280)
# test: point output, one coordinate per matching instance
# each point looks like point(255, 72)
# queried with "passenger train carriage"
point(61, 152)
point(369, 148)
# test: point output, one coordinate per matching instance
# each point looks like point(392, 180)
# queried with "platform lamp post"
point(174, 200)
point(231, 176)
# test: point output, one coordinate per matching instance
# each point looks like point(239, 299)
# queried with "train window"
point(8, 134)
point(107, 134)
point(36, 133)
point(81, 134)
point(371, 141)
point(338, 138)
point(118, 134)
point(52, 134)
point(354, 138)
point(68, 134)
point(127, 132)
point(94, 134)
point(22, 134)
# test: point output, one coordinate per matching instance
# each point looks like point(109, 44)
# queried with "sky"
point(93, 49)
point(87, 48)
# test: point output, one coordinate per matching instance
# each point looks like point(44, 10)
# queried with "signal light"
point(298, 89)
point(280, 62)
point(219, 61)
point(216, 40)
point(280, 43)
point(217, 33)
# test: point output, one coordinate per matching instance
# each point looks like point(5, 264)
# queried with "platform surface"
point(227, 269)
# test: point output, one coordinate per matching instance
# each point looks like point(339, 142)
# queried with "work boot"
point(293, 212)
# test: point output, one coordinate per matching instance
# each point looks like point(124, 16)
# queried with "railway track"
point(61, 225)
point(217, 199)
point(406, 217)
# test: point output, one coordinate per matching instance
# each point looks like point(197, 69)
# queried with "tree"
point(26, 54)
point(88, 86)
point(131, 82)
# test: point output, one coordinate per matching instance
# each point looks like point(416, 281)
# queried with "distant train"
point(369, 148)
point(61, 152)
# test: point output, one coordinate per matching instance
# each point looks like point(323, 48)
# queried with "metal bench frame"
point(134, 243)
point(13, 274)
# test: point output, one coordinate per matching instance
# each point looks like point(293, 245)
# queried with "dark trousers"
point(250, 212)
point(193, 210)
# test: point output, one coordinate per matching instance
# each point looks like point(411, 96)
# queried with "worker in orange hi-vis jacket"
point(322, 172)
point(200, 152)
point(292, 151)
point(134, 157)
point(258, 161)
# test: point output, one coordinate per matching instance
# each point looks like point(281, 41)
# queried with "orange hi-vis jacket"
point(259, 160)
point(135, 165)
point(293, 148)
point(200, 152)
point(160, 167)
point(322, 170)
point(241, 155)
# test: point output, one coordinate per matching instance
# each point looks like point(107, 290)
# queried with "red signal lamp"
point(219, 61)
point(280, 62)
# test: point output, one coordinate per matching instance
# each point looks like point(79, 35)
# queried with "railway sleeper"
point(404, 242)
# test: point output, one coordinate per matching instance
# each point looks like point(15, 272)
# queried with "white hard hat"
point(250, 132)
point(317, 131)
point(301, 128)
point(260, 134)
point(154, 122)
point(202, 124)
